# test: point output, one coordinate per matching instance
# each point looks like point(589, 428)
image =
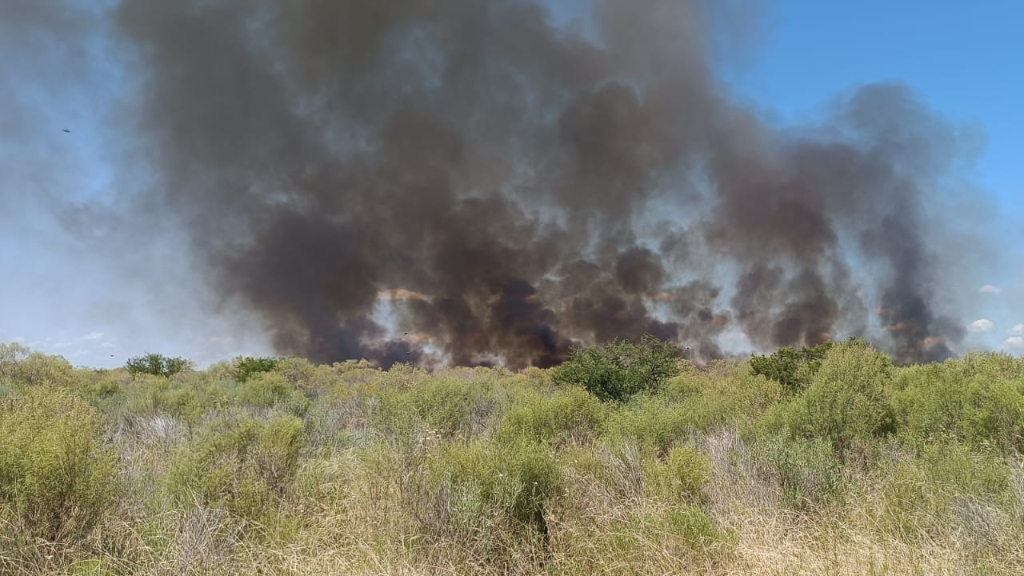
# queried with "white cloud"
point(94, 336)
point(1017, 330)
point(107, 345)
point(989, 289)
point(19, 340)
point(1014, 342)
point(980, 325)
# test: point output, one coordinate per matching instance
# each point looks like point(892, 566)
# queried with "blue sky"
point(60, 294)
point(963, 59)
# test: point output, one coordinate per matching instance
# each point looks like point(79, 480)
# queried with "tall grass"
point(292, 468)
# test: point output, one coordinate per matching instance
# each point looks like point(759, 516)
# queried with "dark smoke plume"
point(497, 187)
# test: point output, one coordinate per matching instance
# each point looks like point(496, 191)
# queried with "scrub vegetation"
point(623, 460)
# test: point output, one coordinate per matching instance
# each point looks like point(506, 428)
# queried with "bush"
point(244, 467)
point(619, 370)
point(482, 490)
point(955, 467)
point(55, 471)
point(921, 493)
point(447, 404)
point(187, 400)
point(649, 422)
point(807, 471)
point(726, 393)
point(689, 472)
point(270, 390)
point(677, 531)
point(978, 399)
point(791, 367)
point(21, 366)
point(10, 353)
point(570, 414)
point(306, 377)
point(104, 388)
point(156, 365)
point(696, 528)
point(847, 402)
point(722, 394)
point(681, 477)
point(247, 367)
point(11, 356)
point(466, 469)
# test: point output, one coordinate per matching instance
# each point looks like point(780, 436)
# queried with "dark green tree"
point(156, 364)
point(247, 367)
point(621, 369)
point(791, 367)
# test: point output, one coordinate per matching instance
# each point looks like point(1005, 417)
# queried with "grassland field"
point(846, 464)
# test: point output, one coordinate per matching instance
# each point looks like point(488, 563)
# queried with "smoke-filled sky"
point(457, 181)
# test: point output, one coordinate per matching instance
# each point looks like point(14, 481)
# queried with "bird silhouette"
point(66, 131)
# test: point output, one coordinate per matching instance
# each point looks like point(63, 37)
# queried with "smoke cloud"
point(473, 182)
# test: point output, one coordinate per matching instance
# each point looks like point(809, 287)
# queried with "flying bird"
point(66, 131)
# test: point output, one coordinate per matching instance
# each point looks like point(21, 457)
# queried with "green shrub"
point(244, 467)
point(393, 415)
point(651, 423)
point(920, 494)
point(807, 471)
point(722, 394)
point(564, 415)
point(402, 400)
point(680, 478)
point(187, 400)
point(270, 390)
point(994, 414)
point(312, 380)
point(678, 529)
point(55, 471)
point(978, 399)
point(156, 365)
point(104, 388)
point(957, 468)
point(726, 394)
point(910, 504)
point(689, 472)
point(247, 367)
point(21, 366)
point(10, 354)
point(791, 367)
point(621, 369)
point(446, 404)
point(694, 526)
point(480, 487)
point(848, 400)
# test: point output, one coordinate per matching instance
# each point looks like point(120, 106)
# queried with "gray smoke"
point(496, 187)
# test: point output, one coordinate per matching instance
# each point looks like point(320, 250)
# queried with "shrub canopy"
point(621, 369)
point(156, 365)
point(791, 367)
point(55, 471)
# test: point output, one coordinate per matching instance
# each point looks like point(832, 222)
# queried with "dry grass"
point(353, 521)
point(367, 499)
